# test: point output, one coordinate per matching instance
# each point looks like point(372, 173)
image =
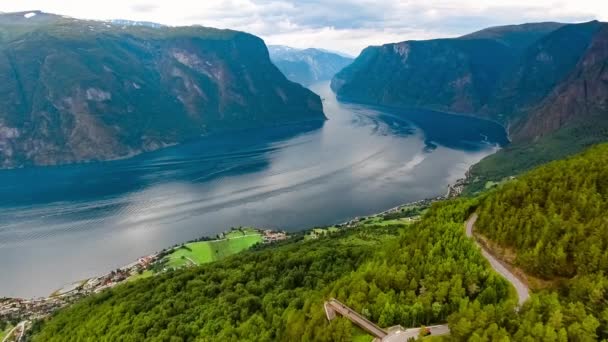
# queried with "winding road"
point(523, 292)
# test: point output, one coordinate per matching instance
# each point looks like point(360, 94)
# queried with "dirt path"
point(523, 292)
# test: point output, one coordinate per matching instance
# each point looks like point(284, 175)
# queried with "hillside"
point(571, 118)
point(463, 75)
point(455, 75)
point(554, 218)
point(518, 158)
point(74, 90)
point(307, 66)
point(502, 73)
point(423, 273)
point(582, 95)
point(392, 273)
point(552, 223)
point(545, 82)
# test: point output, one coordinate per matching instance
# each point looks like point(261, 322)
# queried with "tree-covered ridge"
point(417, 277)
point(554, 217)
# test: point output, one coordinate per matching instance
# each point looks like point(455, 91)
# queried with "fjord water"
point(63, 224)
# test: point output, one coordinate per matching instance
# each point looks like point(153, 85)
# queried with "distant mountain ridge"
point(136, 23)
point(77, 90)
point(508, 74)
point(307, 66)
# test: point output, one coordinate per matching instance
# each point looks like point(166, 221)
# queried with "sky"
point(347, 26)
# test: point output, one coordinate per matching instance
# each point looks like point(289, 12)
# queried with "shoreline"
point(452, 191)
point(428, 108)
point(75, 285)
point(134, 153)
point(27, 310)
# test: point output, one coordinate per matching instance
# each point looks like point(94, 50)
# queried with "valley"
point(78, 221)
point(169, 181)
point(545, 82)
point(407, 274)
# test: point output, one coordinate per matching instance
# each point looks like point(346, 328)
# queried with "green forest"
point(408, 274)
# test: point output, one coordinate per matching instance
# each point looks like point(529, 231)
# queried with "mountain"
point(545, 82)
point(74, 90)
point(412, 272)
point(572, 116)
point(135, 23)
point(307, 66)
point(582, 95)
point(501, 73)
point(518, 37)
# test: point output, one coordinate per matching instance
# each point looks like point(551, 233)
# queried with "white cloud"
point(345, 25)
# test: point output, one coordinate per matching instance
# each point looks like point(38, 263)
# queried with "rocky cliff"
point(517, 75)
point(581, 97)
point(74, 90)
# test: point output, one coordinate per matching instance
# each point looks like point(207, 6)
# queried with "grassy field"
point(144, 274)
point(405, 216)
point(197, 253)
point(379, 221)
point(5, 331)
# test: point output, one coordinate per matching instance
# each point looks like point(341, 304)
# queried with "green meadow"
point(196, 253)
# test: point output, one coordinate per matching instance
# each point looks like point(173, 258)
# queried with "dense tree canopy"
point(555, 219)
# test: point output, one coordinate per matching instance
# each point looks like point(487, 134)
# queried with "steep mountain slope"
point(543, 66)
point(502, 73)
point(74, 90)
point(446, 74)
point(582, 96)
point(572, 117)
point(309, 65)
point(545, 82)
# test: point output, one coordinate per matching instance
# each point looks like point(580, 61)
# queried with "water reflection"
point(62, 224)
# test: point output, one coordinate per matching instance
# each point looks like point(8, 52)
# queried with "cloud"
point(345, 25)
point(147, 7)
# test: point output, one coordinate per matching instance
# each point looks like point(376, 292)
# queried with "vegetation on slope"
point(554, 218)
point(411, 275)
point(423, 273)
point(519, 158)
point(75, 90)
point(5, 328)
point(203, 252)
point(504, 74)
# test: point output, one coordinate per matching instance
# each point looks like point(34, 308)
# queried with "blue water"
point(63, 224)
